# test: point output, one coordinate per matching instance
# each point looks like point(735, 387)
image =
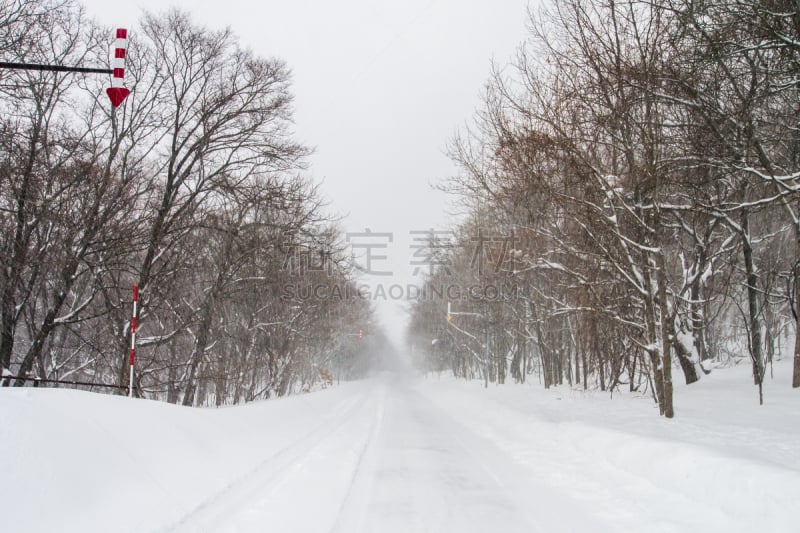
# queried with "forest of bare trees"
point(632, 191)
point(194, 189)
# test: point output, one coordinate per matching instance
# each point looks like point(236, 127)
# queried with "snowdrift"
point(76, 461)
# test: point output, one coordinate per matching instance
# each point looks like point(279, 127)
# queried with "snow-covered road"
point(404, 454)
point(390, 461)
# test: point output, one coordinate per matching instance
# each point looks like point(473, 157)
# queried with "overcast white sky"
point(380, 89)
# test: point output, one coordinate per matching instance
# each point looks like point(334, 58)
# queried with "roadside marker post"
point(118, 92)
point(133, 337)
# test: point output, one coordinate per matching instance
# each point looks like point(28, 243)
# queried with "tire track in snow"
point(352, 511)
point(538, 505)
point(266, 475)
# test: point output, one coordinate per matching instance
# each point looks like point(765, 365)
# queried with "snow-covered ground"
point(405, 454)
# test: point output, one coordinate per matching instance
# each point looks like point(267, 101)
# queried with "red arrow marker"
point(118, 92)
point(117, 95)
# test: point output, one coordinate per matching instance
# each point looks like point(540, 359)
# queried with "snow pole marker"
point(133, 337)
point(118, 92)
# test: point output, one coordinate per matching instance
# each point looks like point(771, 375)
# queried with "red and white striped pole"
point(133, 337)
point(118, 92)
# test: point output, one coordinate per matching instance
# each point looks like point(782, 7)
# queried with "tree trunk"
point(35, 351)
point(631, 371)
point(752, 304)
point(6, 332)
point(585, 366)
point(687, 365)
point(666, 356)
point(601, 373)
point(656, 362)
point(200, 345)
point(688, 362)
point(48, 324)
point(796, 373)
point(19, 254)
point(698, 320)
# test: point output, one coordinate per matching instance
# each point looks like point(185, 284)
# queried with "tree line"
point(194, 189)
point(631, 187)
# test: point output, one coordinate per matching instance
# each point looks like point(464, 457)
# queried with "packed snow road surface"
point(403, 455)
point(386, 460)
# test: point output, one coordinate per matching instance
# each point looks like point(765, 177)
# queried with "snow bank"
point(723, 464)
point(83, 462)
